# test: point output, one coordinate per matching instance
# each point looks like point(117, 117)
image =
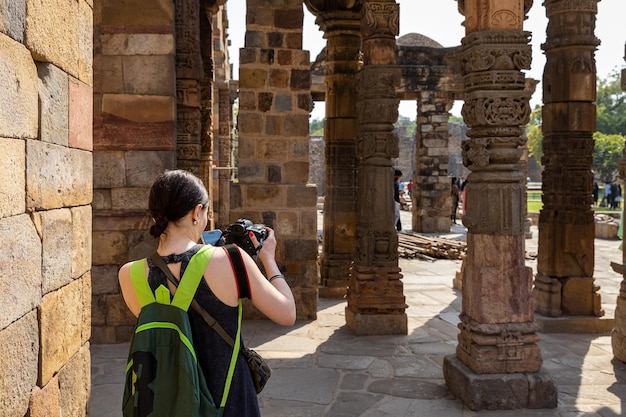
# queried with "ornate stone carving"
point(375, 300)
point(381, 18)
point(568, 126)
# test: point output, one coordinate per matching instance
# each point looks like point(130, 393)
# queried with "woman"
point(178, 204)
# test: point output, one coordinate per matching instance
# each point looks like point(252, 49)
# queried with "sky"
point(441, 21)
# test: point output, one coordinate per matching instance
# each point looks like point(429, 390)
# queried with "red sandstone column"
point(498, 333)
point(564, 283)
point(376, 304)
point(341, 26)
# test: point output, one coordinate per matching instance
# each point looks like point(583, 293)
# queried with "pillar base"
point(499, 391)
point(376, 324)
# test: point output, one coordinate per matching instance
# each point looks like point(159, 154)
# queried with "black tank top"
point(213, 352)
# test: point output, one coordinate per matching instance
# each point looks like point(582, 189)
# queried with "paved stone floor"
point(322, 370)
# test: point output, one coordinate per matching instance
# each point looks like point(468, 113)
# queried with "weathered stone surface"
point(108, 74)
point(104, 279)
point(137, 44)
point(265, 196)
point(19, 344)
point(142, 168)
point(50, 37)
point(55, 229)
point(13, 184)
point(45, 401)
point(134, 13)
point(70, 170)
point(109, 169)
point(85, 42)
point(109, 248)
point(130, 198)
point(81, 240)
point(75, 384)
point(136, 108)
point(80, 115)
point(61, 321)
point(13, 18)
point(149, 75)
point(116, 311)
point(21, 287)
point(86, 304)
point(101, 200)
point(298, 172)
point(301, 196)
point(54, 102)
point(499, 391)
point(19, 109)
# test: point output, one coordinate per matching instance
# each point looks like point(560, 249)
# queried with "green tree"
point(316, 127)
point(535, 135)
point(611, 105)
point(606, 155)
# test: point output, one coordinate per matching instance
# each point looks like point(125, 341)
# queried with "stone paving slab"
point(322, 370)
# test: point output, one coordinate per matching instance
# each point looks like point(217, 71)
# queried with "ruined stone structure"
point(564, 283)
point(45, 210)
point(498, 334)
point(79, 148)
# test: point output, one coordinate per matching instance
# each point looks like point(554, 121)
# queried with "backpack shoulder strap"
point(236, 261)
point(140, 283)
point(191, 278)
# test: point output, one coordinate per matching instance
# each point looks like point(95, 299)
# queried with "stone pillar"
point(498, 334)
point(342, 31)
point(376, 303)
point(204, 161)
point(618, 335)
point(432, 202)
point(136, 128)
point(225, 155)
point(273, 122)
point(564, 283)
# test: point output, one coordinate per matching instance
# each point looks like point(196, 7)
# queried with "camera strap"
point(236, 261)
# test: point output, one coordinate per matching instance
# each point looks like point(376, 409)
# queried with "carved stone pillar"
point(498, 333)
point(225, 155)
point(564, 283)
point(342, 32)
point(189, 69)
point(618, 335)
point(376, 303)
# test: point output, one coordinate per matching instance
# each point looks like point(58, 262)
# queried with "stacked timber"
point(411, 246)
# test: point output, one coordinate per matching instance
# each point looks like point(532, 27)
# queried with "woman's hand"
point(267, 252)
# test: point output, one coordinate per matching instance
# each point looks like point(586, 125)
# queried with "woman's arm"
point(128, 291)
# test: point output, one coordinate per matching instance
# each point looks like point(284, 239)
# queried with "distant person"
point(613, 203)
point(397, 175)
point(409, 188)
point(454, 193)
point(607, 195)
point(596, 192)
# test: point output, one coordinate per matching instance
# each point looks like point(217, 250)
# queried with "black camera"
point(237, 233)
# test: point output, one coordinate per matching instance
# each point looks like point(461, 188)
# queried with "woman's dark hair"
point(172, 196)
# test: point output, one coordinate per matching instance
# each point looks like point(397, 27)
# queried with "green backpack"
point(163, 376)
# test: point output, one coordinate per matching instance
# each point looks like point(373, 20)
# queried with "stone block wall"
point(134, 141)
point(45, 209)
point(273, 122)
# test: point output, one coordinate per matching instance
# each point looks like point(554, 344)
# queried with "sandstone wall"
point(134, 141)
point(45, 209)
